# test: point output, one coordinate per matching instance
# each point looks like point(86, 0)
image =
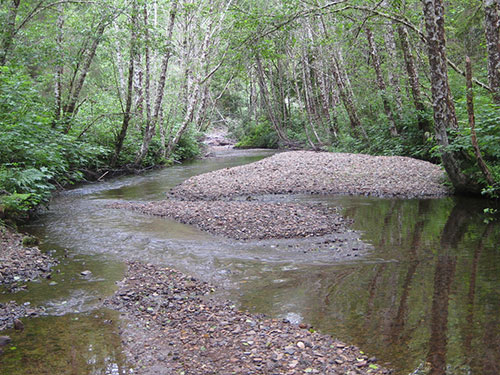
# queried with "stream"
point(426, 296)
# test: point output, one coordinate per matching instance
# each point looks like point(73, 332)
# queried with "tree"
point(492, 33)
point(444, 109)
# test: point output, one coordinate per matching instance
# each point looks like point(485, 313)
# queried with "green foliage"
point(411, 141)
point(30, 241)
point(35, 157)
point(259, 136)
point(188, 147)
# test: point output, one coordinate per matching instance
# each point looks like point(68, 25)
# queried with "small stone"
point(86, 273)
point(18, 325)
point(4, 340)
point(290, 350)
point(301, 345)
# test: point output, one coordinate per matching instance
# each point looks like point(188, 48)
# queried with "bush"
point(259, 136)
point(34, 157)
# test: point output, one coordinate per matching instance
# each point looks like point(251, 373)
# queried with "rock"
point(19, 263)
point(86, 273)
point(18, 325)
point(290, 350)
point(4, 340)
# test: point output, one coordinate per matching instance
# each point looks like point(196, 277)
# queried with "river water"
point(427, 295)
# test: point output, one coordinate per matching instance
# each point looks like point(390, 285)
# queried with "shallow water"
point(428, 292)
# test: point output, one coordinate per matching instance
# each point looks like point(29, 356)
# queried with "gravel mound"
point(19, 264)
point(302, 172)
point(174, 328)
point(11, 311)
point(244, 220)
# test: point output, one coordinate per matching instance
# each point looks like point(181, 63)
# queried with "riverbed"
point(427, 294)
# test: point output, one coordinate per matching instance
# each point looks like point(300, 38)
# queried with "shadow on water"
point(427, 294)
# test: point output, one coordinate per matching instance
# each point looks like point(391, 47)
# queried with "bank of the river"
point(172, 326)
point(19, 263)
point(308, 172)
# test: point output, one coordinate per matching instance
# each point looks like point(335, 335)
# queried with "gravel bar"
point(244, 220)
point(11, 313)
point(172, 326)
point(19, 263)
point(309, 172)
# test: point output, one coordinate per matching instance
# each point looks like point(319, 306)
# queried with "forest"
point(102, 87)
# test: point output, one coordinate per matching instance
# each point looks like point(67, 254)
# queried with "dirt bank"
point(308, 172)
point(174, 327)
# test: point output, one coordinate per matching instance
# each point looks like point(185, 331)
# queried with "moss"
point(30, 241)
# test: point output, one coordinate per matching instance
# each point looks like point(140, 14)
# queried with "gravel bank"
point(244, 220)
point(304, 172)
point(174, 327)
point(19, 264)
point(11, 312)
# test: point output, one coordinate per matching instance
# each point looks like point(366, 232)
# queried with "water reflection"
point(427, 296)
point(73, 344)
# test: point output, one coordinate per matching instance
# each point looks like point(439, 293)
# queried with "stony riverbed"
point(308, 172)
point(248, 220)
point(20, 263)
point(172, 325)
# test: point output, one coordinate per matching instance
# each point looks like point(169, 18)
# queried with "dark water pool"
point(427, 296)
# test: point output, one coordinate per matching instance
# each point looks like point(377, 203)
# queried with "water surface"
point(427, 295)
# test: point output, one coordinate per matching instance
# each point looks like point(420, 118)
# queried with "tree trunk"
point(347, 100)
point(8, 32)
point(59, 67)
point(444, 109)
point(472, 123)
point(380, 81)
point(393, 75)
point(147, 75)
point(344, 89)
point(265, 98)
point(151, 126)
point(200, 116)
point(122, 87)
point(138, 89)
point(188, 118)
point(491, 30)
point(70, 107)
point(308, 97)
point(413, 79)
point(130, 86)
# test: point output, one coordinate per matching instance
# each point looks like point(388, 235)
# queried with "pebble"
point(333, 173)
point(20, 264)
point(211, 337)
point(11, 313)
